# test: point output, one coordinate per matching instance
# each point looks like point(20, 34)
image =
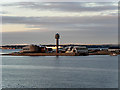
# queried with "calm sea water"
point(59, 72)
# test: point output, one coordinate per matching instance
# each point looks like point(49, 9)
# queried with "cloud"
point(74, 29)
point(3, 12)
point(66, 6)
point(64, 23)
point(92, 30)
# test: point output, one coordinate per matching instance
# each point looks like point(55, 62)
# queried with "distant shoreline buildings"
point(64, 50)
point(62, 45)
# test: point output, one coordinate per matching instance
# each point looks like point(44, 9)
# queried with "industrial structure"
point(57, 50)
point(42, 49)
point(57, 37)
point(33, 49)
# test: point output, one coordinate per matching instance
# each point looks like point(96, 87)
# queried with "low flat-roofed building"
point(33, 49)
point(30, 48)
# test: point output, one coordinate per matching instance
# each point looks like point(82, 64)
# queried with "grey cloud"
point(95, 29)
point(99, 29)
point(65, 23)
point(64, 6)
point(59, 20)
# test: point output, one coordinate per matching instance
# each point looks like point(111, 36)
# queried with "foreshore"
point(43, 54)
point(60, 54)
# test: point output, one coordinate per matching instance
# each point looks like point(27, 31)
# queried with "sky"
point(77, 22)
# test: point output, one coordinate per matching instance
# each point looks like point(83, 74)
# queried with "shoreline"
point(43, 54)
point(56, 54)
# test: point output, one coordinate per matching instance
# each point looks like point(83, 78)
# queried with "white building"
point(77, 49)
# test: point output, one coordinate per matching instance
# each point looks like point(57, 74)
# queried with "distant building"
point(77, 49)
point(54, 47)
point(33, 49)
point(114, 49)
